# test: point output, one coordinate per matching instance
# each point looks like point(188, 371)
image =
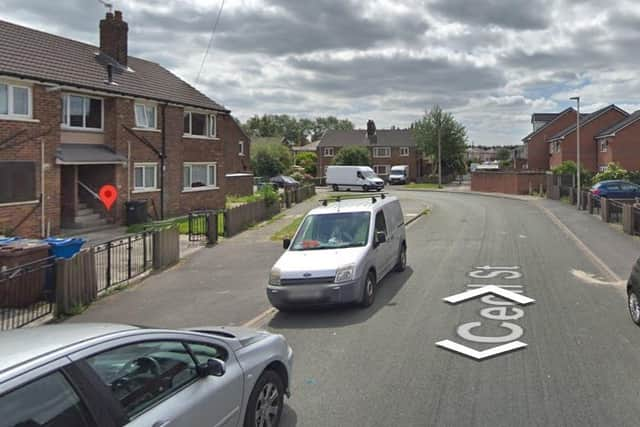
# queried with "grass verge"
point(287, 231)
point(422, 185)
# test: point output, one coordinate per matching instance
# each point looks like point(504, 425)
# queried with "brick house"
point(387, 148)
point(74, 117)
point(536, 147)
point(620, 144)
point(562, 146)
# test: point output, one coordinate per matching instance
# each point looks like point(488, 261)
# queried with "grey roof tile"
point(385, 137)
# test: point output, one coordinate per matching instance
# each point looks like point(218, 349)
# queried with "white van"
point(353, 178)
point(399, 174)
point(340, 253)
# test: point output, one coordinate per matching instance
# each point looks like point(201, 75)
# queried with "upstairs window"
point(328, 152)
point(145, 116)
point(404, 151)
point(199, 124)
point(81, 112)
point(381, 152)
point(241, 148)
point(15, 101)
point(604, 146)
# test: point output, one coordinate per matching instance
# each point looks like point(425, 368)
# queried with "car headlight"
point(345, 273)
point(274, 277)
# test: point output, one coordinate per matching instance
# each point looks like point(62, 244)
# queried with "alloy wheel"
point(267, 406)
point(634, 307)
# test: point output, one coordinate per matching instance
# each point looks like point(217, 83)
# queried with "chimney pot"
point(109, 16)
point(118, 15)
point(113, 37)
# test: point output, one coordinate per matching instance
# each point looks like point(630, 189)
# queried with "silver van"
point(339, 254)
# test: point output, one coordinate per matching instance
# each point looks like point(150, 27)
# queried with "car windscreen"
point(332, 231)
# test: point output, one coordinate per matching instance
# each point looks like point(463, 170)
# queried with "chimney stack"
point(371, 132)
point(113, 37)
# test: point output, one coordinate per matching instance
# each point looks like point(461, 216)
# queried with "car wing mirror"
point(213, 367)
point(286, 243)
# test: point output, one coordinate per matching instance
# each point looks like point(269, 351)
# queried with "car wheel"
point(334, 187)
point(402, 259)
point(369, 290)
point(266, 401)
point(365, 188)
point(634, 306)
point(284, 308)
point(378, 189)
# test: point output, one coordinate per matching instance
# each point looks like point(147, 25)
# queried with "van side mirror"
point(286, 243)
point(380, 237)
point(213, 367)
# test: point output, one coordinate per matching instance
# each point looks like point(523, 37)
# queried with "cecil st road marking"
point(499, 310)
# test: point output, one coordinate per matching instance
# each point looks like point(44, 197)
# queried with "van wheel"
point(369, 290)
point(634, 306)
point(402, 259)
point(335, 187)
point(365, 188)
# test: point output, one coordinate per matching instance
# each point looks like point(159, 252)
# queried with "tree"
point(308, 161)
point(296, 131)
point(503, 154)
point(453, 137)
point(569, 167)
point(270, 159)
point(353, 156)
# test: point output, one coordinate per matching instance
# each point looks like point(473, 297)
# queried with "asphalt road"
point(381, 367)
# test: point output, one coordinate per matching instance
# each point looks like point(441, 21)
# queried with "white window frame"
point(211, 125)
point(213, 186)
point(602, 168)
point(145, 187)
point(376, 152)
point(145, 126)
point(404, 151)
point(552, 148)
point(604, 145)
point(328, 152)
point(10, 113)
point(241, 149)
point(387, 168)
point(67, 117)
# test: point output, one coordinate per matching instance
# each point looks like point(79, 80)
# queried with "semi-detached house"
point(74, 117)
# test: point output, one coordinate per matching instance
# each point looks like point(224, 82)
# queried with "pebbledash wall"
point(25, 218)
point(508, 182)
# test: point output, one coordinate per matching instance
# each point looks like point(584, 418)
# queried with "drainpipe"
point(163, 153)
point(42, 193)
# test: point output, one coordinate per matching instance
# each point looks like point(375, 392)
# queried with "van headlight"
point(274, 277)
point(345, 273)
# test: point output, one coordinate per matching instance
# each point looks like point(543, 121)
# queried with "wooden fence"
point(242, 217)
point(300, 194)
point(76, 281)
point(166, 248)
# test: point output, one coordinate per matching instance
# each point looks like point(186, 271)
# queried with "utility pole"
point(440, 150)
point(577, 99)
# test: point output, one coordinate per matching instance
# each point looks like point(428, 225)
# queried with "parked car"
point(353, 178)
point(340, 254)
point(615, 189)
point(283, 181)
point(633, 293)
point(399, 174)
point(115, 375)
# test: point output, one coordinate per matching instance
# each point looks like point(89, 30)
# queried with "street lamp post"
point(577, 99)
point(439, 153)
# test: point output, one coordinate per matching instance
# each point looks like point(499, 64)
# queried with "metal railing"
point(122, 259)
point(198, 225)
point(27, 293)
point(88, 190)
point(636, 220)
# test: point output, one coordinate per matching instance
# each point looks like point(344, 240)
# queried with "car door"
point(157, 382)
point(382, 250)
point(628, 190)
point(612, 190)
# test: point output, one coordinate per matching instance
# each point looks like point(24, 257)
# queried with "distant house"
point(536, 148)
point(387, 148)
point(620, 144)
point(562, 146)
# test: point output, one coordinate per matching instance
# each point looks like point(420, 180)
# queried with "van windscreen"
point(333, 231)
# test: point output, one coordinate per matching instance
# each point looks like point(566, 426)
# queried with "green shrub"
point(269, 195)
point(569, 167)
point(613, 171)
point(270, 159)
point(353, 156)
point(308, 161)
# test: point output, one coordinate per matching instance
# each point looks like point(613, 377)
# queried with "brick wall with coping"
point(507, 182)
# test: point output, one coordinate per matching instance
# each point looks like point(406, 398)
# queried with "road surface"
point(381, 367)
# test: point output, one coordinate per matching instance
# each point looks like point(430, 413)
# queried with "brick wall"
point(624, 148)
point(231, 133)
point(413, 160)
point(607, 157)
point(538, 148)
point(239, 185)
point(512, 182)
point(27, 218)
point(588, 148)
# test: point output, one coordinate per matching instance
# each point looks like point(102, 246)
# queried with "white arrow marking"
point(489, 267)
point(479, 355)
point(489, 289)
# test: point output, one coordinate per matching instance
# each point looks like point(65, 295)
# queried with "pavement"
point(225, 284)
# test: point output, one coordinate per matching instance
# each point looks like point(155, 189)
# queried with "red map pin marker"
point(108, 195)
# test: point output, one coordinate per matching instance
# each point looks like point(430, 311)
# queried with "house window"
point(381, 152)
point(145, 176)
point(81, 112)
point(602, 168)
point(381, 169)
point(328, 152)
point(552, 147)
point(241, 148)
point(17, 181)
point(15, 101)
point(146, 116)
point(404, 151)
point(199, 124)
point(199, 176)
point(557, 146)
point(604, 146)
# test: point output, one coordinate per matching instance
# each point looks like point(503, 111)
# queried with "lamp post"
point(439, 154)
point(577, 99)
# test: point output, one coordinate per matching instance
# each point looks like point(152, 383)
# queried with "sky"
point(491, 63)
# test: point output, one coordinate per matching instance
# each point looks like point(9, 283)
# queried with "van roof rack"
point(340, 198)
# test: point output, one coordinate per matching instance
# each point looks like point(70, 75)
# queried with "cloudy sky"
point(490, 62)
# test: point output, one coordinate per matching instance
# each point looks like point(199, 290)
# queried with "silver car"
point(115, 375)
